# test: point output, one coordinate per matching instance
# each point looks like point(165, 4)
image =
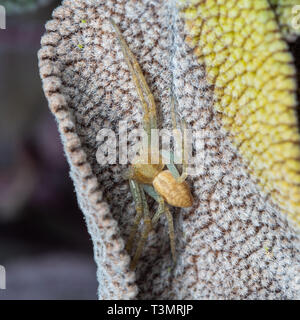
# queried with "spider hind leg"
point(136, 193)
point(162, 208)
point(145, 233)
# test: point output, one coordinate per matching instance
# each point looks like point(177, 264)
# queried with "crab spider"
point(165, 186)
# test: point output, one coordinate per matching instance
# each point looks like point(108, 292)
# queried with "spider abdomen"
point(175, 193)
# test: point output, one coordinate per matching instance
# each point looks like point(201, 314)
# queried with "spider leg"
point(151, 192)
point(180, 141)
point(162, 208)
point(150, 118)
point(171, 232)
point(184, 152)
point(161, 202)
point(145, 233)
point(149, 95)
point(136, 193)
point(139, 75)
point(169, 157)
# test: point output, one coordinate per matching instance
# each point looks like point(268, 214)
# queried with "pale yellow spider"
point(164, 186)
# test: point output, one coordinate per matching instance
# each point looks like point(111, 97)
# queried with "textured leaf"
point(234, 243)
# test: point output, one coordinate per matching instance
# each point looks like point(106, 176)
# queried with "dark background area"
point(44, 244)
point(295, 49)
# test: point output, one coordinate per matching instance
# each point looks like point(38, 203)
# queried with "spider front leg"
point(143, 90)
point(180, 137)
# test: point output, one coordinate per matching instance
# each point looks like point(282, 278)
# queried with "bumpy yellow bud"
point(248, 62)
point(288, 15)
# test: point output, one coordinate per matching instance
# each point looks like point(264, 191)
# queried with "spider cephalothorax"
point(163, 185)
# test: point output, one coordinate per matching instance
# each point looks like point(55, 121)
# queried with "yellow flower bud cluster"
point(288, 16)
point(249, 63)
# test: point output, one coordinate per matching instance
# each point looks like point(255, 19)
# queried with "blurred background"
point(44, 244)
